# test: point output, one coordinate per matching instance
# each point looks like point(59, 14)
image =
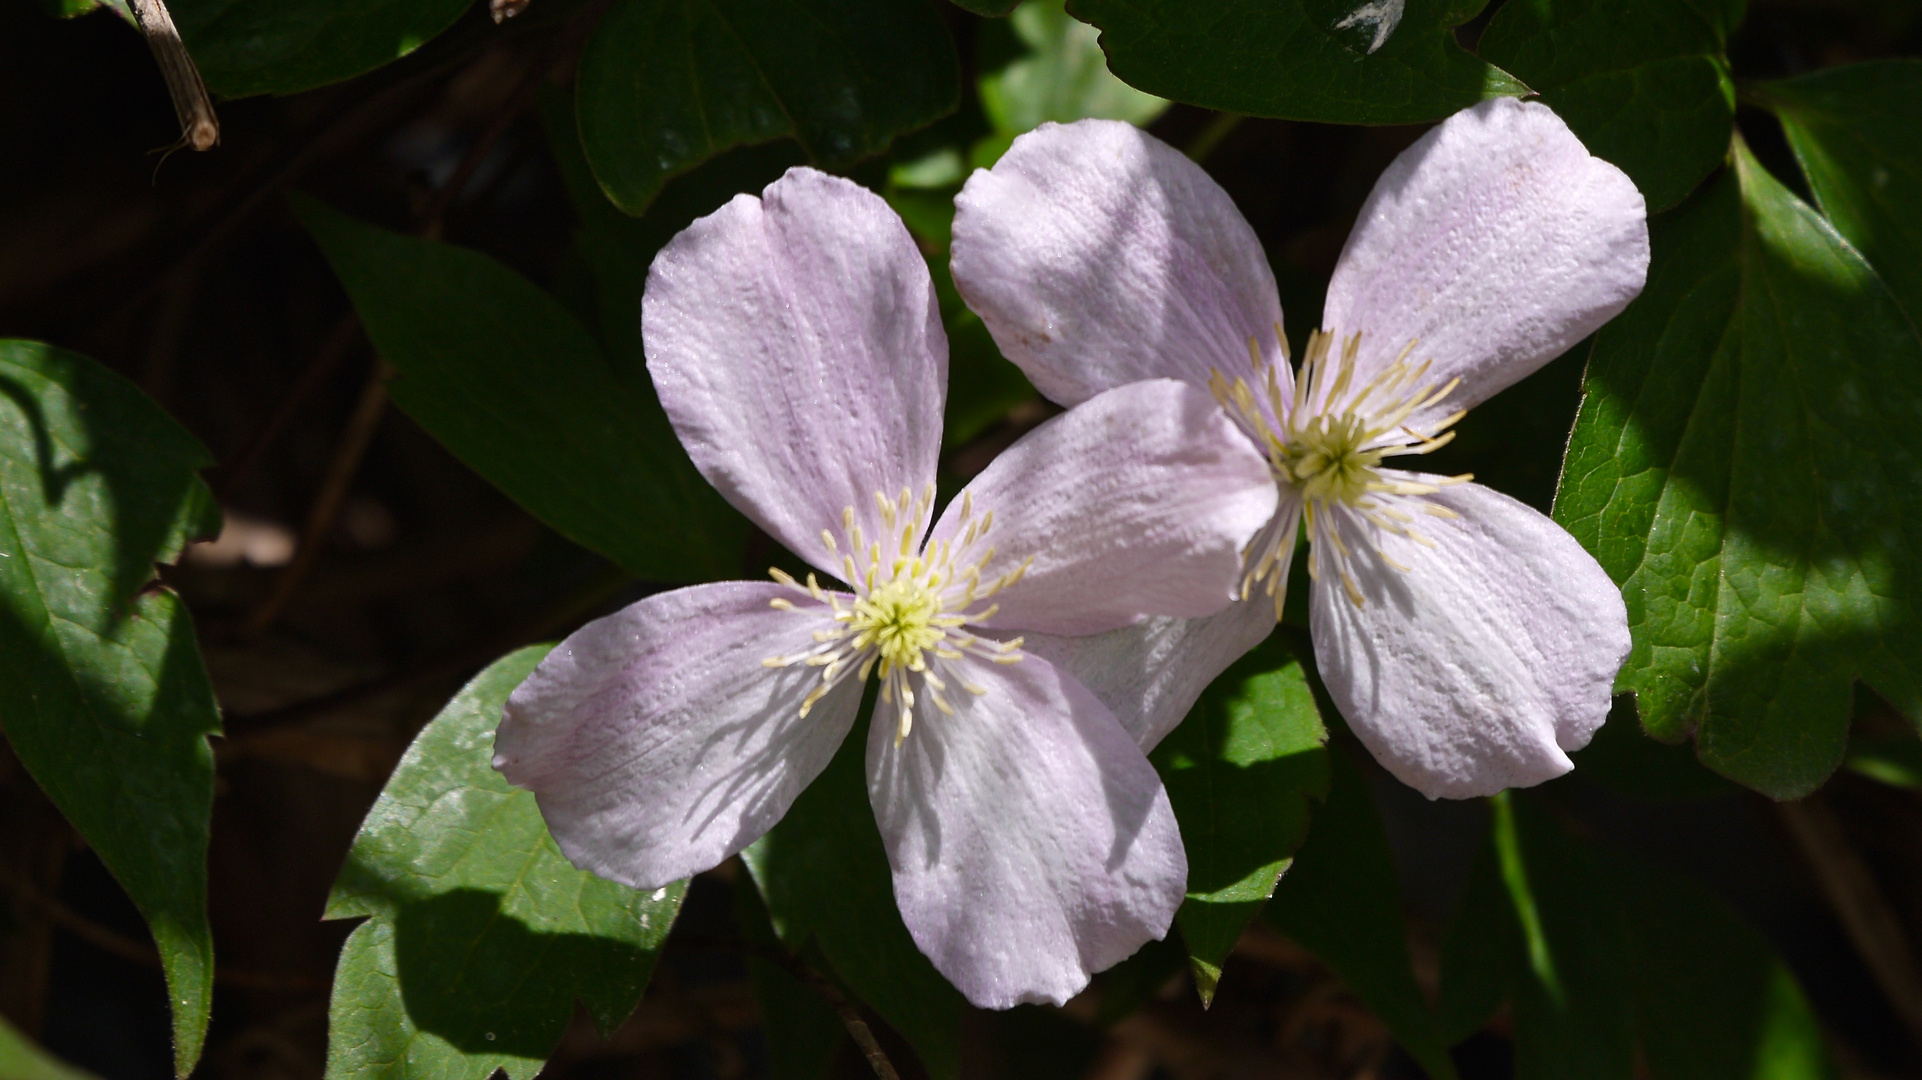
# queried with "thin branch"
point(199, 128)
point(1866, 914)
point(117, 944)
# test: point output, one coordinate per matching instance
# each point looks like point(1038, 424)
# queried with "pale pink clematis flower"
point(1469, 641)
point(795, 343)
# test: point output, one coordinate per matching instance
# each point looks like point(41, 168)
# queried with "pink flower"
point(1468, 640)
point(796, 346)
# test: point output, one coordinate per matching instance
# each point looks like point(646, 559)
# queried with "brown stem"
point(1866, 914)
point(118, 944)
point(199, 128)
point(333, 492)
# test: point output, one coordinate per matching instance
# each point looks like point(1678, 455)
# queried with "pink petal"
point(1478, 668)
point(1137, 502)
point(1098, 255)
point(657, 742)
point(1496, 242)
point(1032, 843)
point(796, 345)
point(1150, 674)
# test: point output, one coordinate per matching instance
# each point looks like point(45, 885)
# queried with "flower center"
point(909, 613)
point(1326, 441)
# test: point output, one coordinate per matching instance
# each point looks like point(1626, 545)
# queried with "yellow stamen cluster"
point(908, 608)
point(1326, 438)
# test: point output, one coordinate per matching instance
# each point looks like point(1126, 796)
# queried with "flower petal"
point(797, 347)
point(656, 741)
point(1150, 674)
point(1032, 843)
point(1136, 502)
point(1496, 242)
point(1479, 667)
point(1099, 255)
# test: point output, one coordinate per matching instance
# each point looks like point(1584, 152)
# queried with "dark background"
point(187, 273)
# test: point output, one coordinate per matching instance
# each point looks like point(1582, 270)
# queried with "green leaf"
point(1857, 131)
point(1643, 82)
point(512, 384)
point(480, 935)
point(665, 85)
point(1894, 758)
point(20, 1059)
point(1295, 60)
point(1610, 962)
point(825, 878)
point(617, 249)
point(1239, 771)
point(1062, 75)
point(102, 691)
point(1744, 464)
point(246, 47)
point(1341, 901)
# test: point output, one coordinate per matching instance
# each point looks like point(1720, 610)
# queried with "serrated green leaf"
point(480, 935)
point(1061, 75)
point(516, 388)
point(1745, 466)
point(1341, 901)
point(102, 691)
point(1643, 82)
point(1239, 772)
point(246, 47)
point(1392, 63)
point(824, 876)
point(1857, 131)
point(20, 1059)
point(665, 85)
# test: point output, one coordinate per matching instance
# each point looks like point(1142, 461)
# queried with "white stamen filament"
point(910, 613)
point(1326, 442)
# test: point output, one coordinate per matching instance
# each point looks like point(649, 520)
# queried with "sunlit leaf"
point(666, 85)
point(511, 383)
point(480, 936)
point(1337, 61)
point(1239, 771)
point(1745, 465)
point(102, 691)
point(1060, 75)
point(1643, 82)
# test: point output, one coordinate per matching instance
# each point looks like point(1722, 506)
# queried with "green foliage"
point(1061, 75)
point(824, 876)
point(1609, 961)
point(480, 935)
point(102, 691)
point(1857, 131)
point(246, 47)
point(664, 86)
point(511, 383)
point(1341, 900)
point(1744, 464)
point(1296, 60)
point(1239, 771)
point(1644, 83)
point(20, 1059)
point(994, 9)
